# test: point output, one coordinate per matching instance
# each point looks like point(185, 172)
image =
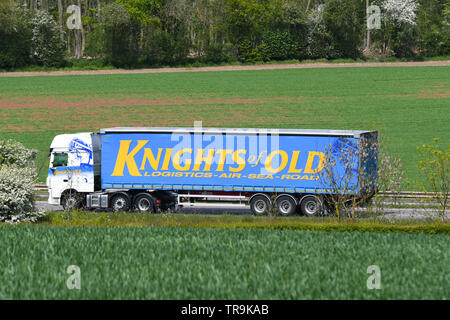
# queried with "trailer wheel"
point(311, 206)
point(286, 206)
point(144, 203)
point(260, 205)
point(120, 202)
point(72, 200)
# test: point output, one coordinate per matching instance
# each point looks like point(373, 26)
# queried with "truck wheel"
point(71, 201)
point(286, 206)
point(120, 202)
point(311, 206)
point(144, 203)
point(260, 205)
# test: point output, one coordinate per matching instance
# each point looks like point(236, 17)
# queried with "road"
point(390, 213)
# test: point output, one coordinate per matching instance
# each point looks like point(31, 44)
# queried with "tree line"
point(131, 33)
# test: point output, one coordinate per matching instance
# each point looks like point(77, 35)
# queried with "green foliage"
point(320, 43)
point(278, 45)
point(136, 33)
point(434, 165)
point(433, 23)
point(164, 263)
point(15, 37)
point(404, 41)
point(119, 47)
point(247, 51)
point(142, 11)
point(345, 19)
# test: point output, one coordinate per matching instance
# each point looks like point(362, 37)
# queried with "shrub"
point(13, 153)
point(47, 47)
point(434, 165)
point(248, 53)
point(17, 179)
point(278, 45)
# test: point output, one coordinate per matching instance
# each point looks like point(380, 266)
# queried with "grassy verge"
point(208, 263)
point(227, 221)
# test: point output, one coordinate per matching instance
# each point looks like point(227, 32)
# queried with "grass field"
point(163, 263)
point(409, 105)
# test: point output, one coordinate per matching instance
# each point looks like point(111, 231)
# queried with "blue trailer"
point(153, 169)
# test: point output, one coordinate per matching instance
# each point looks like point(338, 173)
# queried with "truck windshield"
point(60, 160)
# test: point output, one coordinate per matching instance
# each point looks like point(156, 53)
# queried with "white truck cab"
point(71, 166)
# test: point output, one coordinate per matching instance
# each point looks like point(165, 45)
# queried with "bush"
point(13, 153)
point(248, 53)
point(434, 165)
point(435, 42)
point(47, 47)
point(404, 43)
point(17, 180)
point(278, 45)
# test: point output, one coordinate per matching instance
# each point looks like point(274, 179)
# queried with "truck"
point(154, 169)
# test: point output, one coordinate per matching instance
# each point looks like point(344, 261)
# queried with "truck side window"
point(60, 160)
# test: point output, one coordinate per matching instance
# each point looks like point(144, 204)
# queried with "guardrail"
point(389, 194)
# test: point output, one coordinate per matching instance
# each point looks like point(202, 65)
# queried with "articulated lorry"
point(155, 169)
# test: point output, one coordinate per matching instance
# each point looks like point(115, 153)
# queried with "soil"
point(231, 68)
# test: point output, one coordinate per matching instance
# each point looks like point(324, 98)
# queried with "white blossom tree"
point(400, 11)
point(47, 47)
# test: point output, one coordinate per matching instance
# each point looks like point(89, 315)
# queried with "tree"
point(320, 43)
point(15, 36)
point(118, 29)
point(401, 11)
point(399, 23)
point(339, 176)
point(345, 19)
point(433, 24)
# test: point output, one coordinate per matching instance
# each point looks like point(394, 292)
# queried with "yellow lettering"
point(148, 155)
point(284, 161)
point(223, 155)
point(165, 165)
point(293, 165)
point(123, 157)
point(176, 160)
point(239, 160)
point(199, 159)
point(310, 161)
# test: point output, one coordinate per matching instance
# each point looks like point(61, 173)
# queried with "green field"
point(202, 263)
point(409, 105)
